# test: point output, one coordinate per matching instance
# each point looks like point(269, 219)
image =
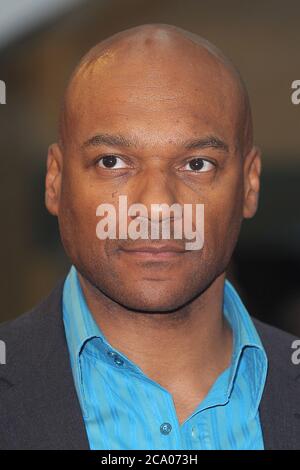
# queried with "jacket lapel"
point(280, 404)
point(41, 392)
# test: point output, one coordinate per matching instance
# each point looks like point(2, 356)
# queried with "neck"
point(192, 344)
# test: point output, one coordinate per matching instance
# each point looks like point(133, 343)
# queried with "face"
point(168, 132)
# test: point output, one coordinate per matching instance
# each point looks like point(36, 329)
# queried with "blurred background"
point(40, 43)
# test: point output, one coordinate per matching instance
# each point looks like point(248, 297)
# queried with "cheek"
point(223, 216)
point(77, 218)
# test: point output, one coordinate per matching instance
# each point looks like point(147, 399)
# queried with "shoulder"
point(272, 334)
point(30, 321)
point(279, 346)
point(29, 337)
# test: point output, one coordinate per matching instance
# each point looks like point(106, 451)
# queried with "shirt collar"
point(82, 331)
point(247, 345)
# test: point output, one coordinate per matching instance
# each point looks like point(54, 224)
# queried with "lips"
point(154, 252)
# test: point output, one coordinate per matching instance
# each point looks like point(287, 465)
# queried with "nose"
point(156, 190)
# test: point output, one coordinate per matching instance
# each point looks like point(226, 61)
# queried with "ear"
point(53, 178)
point(252, 170)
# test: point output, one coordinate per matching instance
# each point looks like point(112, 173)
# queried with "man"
point(145, 345)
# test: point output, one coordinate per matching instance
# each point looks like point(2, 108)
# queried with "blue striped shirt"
point(124, 409)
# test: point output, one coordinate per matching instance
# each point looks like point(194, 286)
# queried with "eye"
point(199, 165)
point(111, 162)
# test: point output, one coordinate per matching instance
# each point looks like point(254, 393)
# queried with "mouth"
point(154, 252)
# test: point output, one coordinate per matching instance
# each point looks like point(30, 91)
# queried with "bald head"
point(151, 53)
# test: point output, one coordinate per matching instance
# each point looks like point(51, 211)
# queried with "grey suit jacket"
point(39, 408)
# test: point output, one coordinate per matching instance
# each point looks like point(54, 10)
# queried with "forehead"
point(153, 96)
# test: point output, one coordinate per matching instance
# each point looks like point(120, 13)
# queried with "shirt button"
point(111, 353)
point(118, 361)
point(165, 428)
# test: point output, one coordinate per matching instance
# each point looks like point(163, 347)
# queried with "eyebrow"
point(118, 140)
point(108, 139)
point(206, 142)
